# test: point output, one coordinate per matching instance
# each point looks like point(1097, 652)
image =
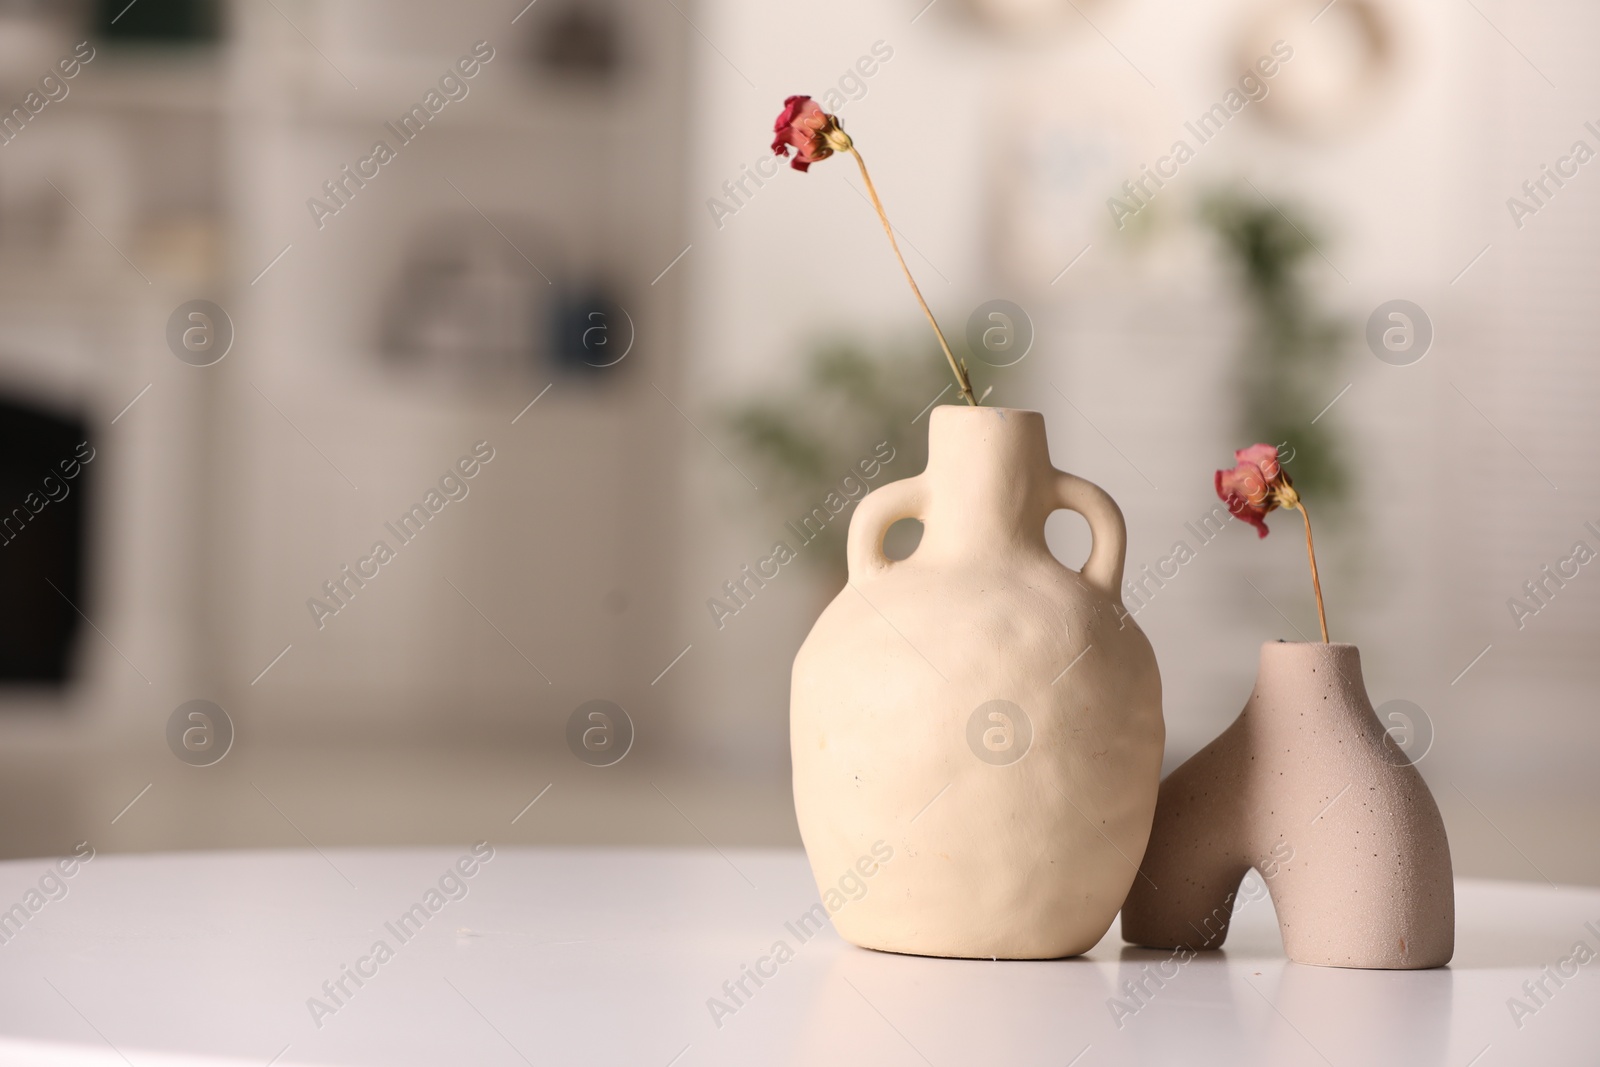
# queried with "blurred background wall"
point(603, 168)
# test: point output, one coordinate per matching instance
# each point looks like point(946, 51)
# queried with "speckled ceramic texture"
point(1305, 788)
point(998, 851)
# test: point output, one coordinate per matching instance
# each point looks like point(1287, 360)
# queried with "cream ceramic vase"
point(976, 730)
point(1307, 788)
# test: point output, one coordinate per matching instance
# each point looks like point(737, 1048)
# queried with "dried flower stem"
point(1316, 582)
point(958, 368)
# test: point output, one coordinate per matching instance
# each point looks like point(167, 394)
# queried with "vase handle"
point(879, 510)
point(1107, 530)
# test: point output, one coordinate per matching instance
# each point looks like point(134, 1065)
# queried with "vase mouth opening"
point(947, 412)
point(1331, 645)
point(1341, 655)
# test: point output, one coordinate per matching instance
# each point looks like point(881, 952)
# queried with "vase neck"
point(989, 480)
point(1289, 668)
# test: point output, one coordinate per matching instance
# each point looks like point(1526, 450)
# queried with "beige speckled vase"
point(976, 730)
point(1306, 788)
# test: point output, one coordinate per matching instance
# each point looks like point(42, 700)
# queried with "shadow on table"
point(1174, 1007)
point(884, 1007)
point(1361, 1016)
point(1141, 1006)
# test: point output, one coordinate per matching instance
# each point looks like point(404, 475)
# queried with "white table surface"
point(572, 956)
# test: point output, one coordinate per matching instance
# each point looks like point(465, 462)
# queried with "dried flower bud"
point(813, 132)
point(1256, 486)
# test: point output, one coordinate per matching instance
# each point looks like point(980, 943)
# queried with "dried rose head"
point(813, 132)
point(1256, 486)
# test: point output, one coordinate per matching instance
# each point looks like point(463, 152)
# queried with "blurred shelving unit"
point(104, 229)
point(231, 493)
point(533, 594)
